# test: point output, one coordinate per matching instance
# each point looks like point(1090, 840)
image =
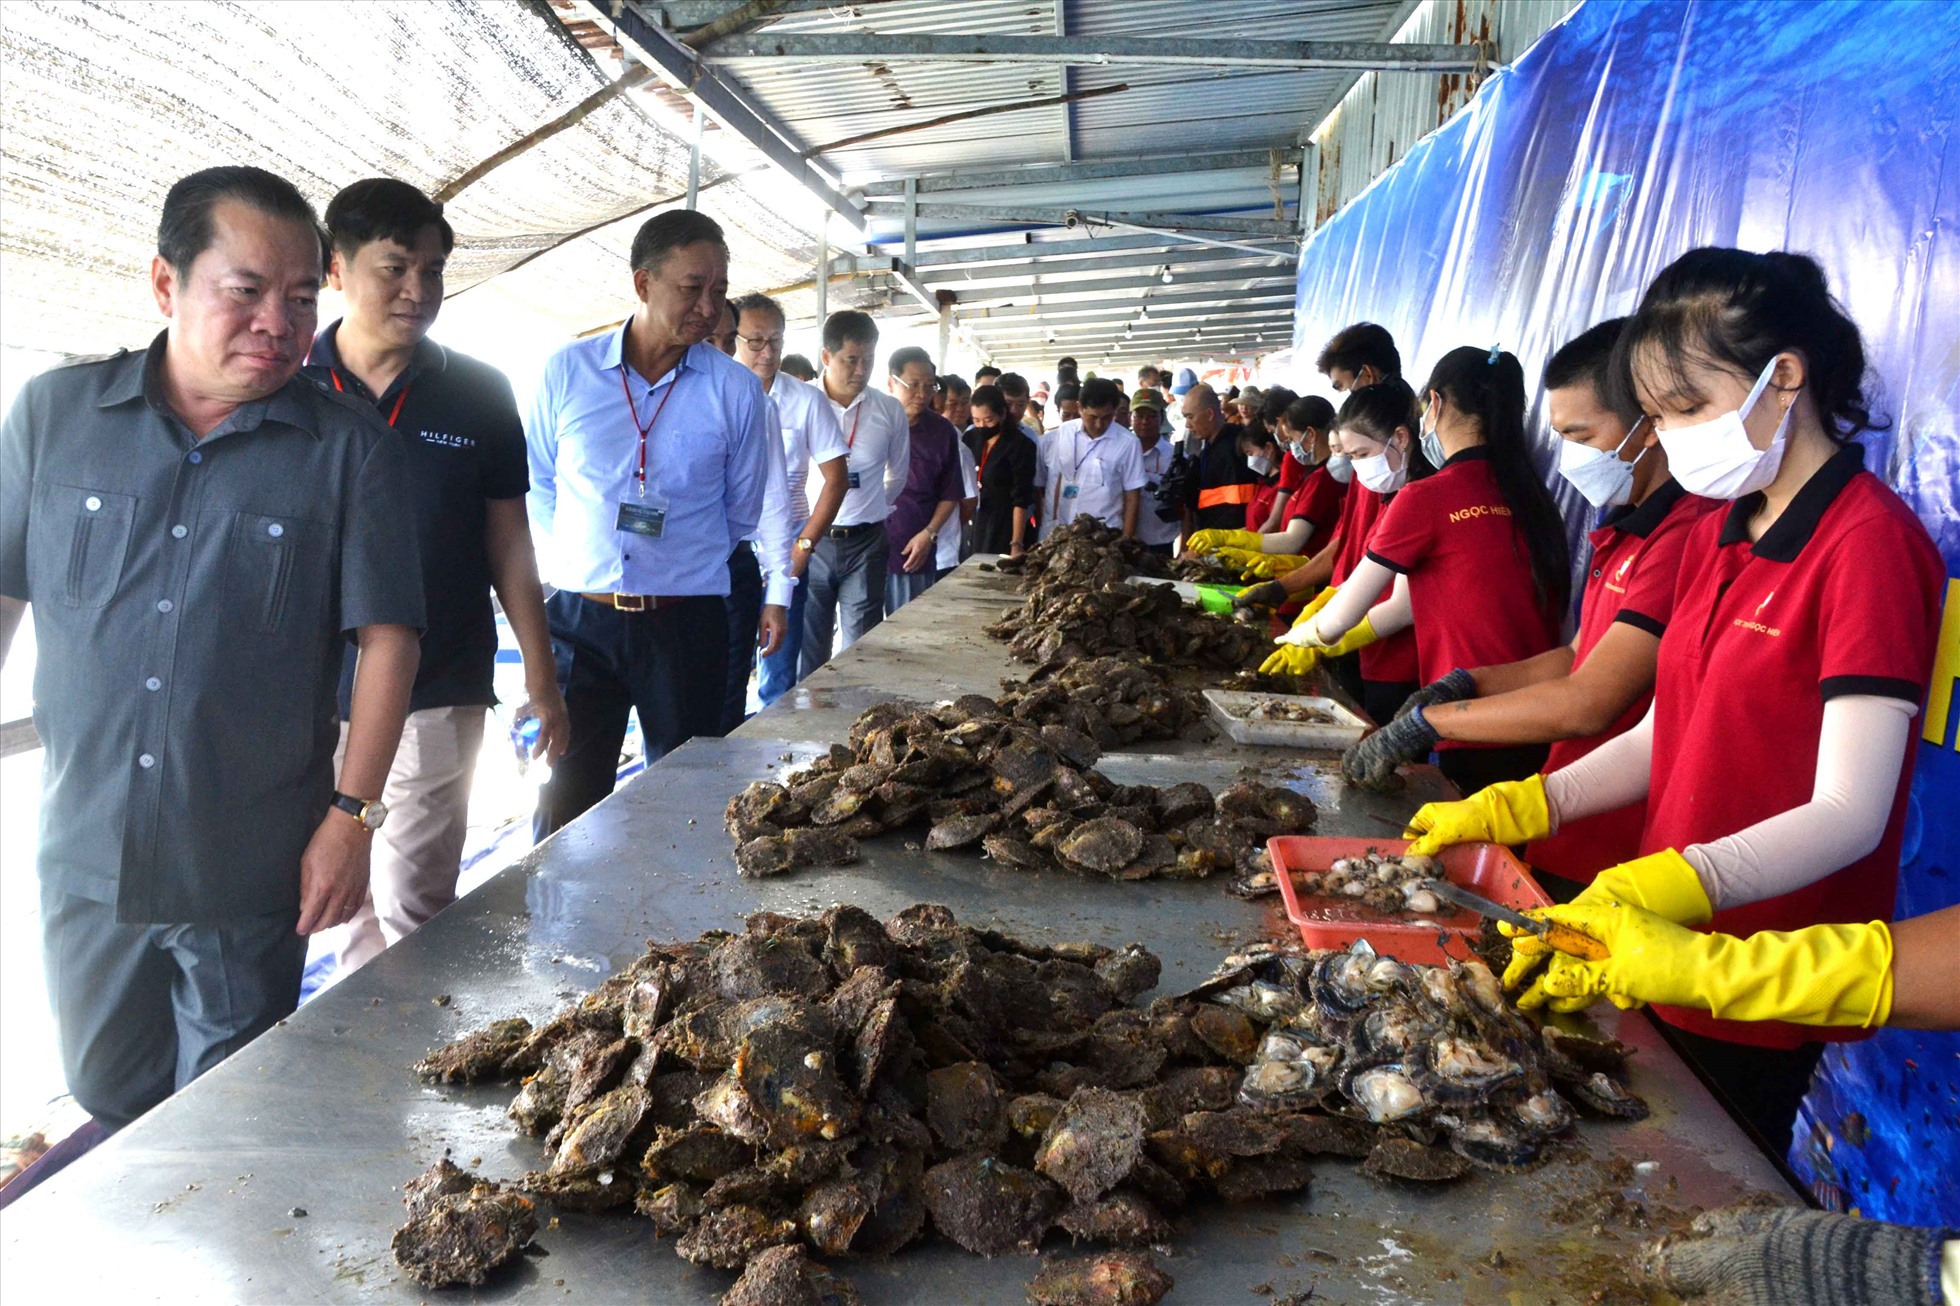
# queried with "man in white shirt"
point(1147, 423)
point(846, 579)
point(1091, 467)
point(810, 436)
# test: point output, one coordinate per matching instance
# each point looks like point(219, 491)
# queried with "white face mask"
point(1715, 458)
point(1432, 442)
point(1377, 475)
point(1298, 452)
point(1599, 475)
point(1259, 464)
point(1340, 468)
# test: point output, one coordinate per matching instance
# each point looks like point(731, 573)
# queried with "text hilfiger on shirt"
point(446, 440)
point(1479, 510)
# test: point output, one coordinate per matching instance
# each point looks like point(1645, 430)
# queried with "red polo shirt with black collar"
point(1840, 596)
point(1637, 557)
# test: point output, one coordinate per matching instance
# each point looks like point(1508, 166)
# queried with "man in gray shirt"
point(198, 530)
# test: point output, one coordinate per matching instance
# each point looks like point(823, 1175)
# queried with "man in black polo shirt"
point(467, 479)
point(1224, 484)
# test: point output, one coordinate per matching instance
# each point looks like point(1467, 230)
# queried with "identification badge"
point(1070, 489)
point(642, 519)
point(854, 480)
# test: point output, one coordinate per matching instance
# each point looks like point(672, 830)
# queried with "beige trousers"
point(418, 851)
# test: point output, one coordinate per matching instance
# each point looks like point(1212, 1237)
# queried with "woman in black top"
point(1005, 457)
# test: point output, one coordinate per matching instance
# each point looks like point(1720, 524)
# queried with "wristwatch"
point(369, 814)
point(804, 544)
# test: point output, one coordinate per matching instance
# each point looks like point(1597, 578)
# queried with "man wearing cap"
point(1156, 532)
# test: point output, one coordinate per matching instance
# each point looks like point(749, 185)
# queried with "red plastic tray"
point(1486, 868)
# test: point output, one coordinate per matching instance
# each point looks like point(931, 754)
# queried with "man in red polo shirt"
point(1579, 695)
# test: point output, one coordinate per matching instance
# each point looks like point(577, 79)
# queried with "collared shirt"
point(1469, 570)
point(772, 535)
point(810, 435)
point(191, 600)
point(465, 447)
point(1841, 595)
point(932, 477)
point(1638, 553)
point(707, 465)
point(1155, 461)
point(1101, 470)
point(878, 443)
point(952, 532)
point(1318, 498)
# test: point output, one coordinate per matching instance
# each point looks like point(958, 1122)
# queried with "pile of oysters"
point(976, 776)
point(1080, 604)
point(839, 1087)
point(1114, 701)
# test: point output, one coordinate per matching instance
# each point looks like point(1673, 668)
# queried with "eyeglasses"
point(760, 343)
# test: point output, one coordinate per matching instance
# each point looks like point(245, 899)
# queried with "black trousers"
point(1382, 699)
point(142, 1010)
point(1471, 769)
point(744, 606)
point(669, 665)
point(1761, 1087)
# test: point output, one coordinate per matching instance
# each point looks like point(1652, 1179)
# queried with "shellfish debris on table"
point(1389, 884)
point(979, 777)
point(840, 1086)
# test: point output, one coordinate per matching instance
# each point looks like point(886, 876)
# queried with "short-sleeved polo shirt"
point(1101, 469)
point(465, 447)
point(1841, 595)
point(191, 600)
point(1637, 556)
point(1391, 660)
point(1319, 499)
point(1469, 570)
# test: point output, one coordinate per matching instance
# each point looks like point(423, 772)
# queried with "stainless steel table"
point(198, 1200)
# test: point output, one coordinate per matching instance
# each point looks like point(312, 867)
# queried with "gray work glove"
point(1371, 761)
point(1272, 594)
point(1453, 688)
point(1787, 1256)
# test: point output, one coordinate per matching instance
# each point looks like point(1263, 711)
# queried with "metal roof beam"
point(1154, 166)
point(1048, 291)
point(1082, 217)
point(908, 47)
point(1037, 329)
point(1121, 307)
point(1029, 249)
point(699, 13)
point(1183, 256)
point(684, 69)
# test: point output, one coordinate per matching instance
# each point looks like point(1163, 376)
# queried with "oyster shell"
point(990, 1207)
point(784, 1276)
point(1111, 1279)
point(1093, 1144)
point(1402, 1158)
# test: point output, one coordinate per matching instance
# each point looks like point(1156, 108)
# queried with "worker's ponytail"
point(1487, 385)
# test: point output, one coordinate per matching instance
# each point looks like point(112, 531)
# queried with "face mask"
point(1715, 459)
point(1600, 476)
point(1340, 468)
point(1298, 452)
point(1432, 443)
point(1377, 475)
point(1260, 465)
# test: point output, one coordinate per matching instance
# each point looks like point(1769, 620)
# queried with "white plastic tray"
point(1229, 708)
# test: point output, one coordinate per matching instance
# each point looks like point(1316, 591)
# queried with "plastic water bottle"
point(524, 738)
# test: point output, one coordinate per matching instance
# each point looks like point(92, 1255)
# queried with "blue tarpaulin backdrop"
point(1639, 129)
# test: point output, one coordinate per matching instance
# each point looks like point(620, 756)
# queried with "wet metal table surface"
point(201, 1199)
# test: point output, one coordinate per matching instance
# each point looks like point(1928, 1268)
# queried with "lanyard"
point(640, 474)
point(986, 451)
point(851, 441)
point(400, 399)
point(1083, 457)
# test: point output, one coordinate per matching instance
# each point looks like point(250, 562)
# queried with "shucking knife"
point(1562, 938)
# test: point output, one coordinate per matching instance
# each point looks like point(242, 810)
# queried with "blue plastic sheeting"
point(1630, 133)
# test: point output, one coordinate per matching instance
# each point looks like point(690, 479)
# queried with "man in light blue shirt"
point(649, 458)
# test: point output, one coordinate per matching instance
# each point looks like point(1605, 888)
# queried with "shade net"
point(1631, 133)
point(104, 105)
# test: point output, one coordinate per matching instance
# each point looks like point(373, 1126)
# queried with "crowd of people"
point(262, 556)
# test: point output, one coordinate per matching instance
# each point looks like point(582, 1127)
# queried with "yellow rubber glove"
point(1662, 883)
point(1315, 604)
point(1290, 660)
point(1512, 811)
point(1822, 975)
point(1260, 566)
point(1361, 636)
point(1202, 542)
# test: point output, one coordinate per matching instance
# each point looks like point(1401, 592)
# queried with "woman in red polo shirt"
point(1476, 553)
point(1776, 758)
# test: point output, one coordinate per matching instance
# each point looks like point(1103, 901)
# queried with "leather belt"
point(635, 602)
point(851, 532)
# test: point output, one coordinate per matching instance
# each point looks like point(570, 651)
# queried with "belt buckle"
point(631, 602)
